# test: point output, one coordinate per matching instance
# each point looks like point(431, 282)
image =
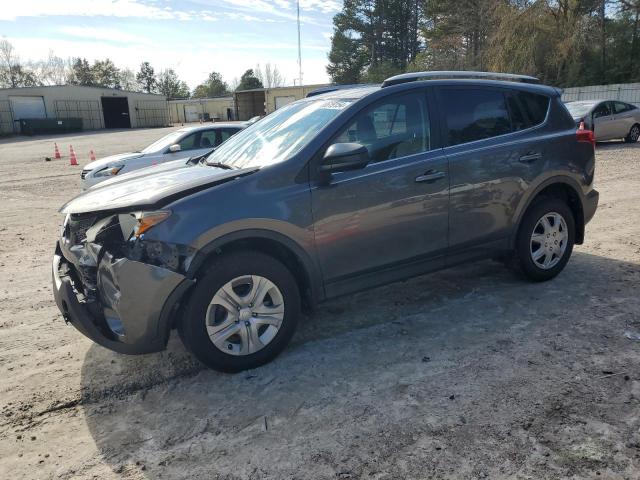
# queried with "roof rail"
point(437, 75)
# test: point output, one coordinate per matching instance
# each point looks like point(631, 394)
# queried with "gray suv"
point(345, 190)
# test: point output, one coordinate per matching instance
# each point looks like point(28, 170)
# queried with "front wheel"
point(243, 312)
point(633, 135)
point(545, 239)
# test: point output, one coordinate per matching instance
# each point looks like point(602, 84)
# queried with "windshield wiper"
point(220, 165)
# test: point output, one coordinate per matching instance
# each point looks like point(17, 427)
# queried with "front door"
point(388, 220)
point(603, 125)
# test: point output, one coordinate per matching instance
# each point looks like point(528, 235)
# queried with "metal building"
point(205, 109)
point(624, 92)
point(263, 101)
point(95, 108)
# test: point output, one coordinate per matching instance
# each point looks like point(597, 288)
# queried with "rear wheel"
point(634, 134)
point(242, 313)
point(545, 239)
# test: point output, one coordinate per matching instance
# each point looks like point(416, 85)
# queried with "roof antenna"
point(299, 49)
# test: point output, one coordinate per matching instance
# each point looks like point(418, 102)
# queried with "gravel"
point(466, 373)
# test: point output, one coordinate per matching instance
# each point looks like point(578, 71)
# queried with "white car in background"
point(179, 145)
point(608, 119)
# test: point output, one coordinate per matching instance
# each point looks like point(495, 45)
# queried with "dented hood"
point(149, 190)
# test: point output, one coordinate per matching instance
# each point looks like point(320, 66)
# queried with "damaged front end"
point(116, 287)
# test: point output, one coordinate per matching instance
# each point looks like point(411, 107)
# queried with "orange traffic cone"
point(73, 160)
point(92, 156)
point(56, 152)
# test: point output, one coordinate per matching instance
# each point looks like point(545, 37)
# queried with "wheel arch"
point(274, 244)
point(565, 188)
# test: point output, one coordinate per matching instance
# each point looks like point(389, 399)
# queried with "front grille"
point(84, 174)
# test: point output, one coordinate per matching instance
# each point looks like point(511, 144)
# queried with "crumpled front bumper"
point(136, 301)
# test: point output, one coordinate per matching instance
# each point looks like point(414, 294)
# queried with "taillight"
point(584, 135)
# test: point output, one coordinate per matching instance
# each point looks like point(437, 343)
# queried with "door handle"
point(430, 176)
point(530, 157)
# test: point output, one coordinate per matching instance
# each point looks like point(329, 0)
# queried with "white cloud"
point(325, 6)
point(286, 9)
point(246, 18)
point(12, 10)
point(107, 34)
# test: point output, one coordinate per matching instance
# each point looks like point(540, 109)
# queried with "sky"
point(194, 37)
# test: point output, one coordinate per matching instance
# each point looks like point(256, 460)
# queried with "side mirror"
point(175, 148)
point(343, 157)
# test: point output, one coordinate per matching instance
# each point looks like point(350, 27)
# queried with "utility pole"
point(299, 48)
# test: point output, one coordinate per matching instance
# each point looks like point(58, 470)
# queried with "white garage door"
point(192, 113)
point(282, 101)
point(27, 107)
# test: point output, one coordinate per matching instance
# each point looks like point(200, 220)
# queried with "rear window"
point(479, 113)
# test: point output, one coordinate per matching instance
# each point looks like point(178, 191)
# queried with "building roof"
point(289, 87)
point(199, 100)
point(81, 86)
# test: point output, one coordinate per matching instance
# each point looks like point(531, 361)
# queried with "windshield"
point(278, 136)
point(164, 142)
point(579, 109)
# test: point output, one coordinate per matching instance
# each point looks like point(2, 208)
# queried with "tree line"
point(104, 73)
point(563, 42)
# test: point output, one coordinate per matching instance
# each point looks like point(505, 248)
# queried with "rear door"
point(388, 220)
point(624, 118)
point(603, 123)
point(494, 151)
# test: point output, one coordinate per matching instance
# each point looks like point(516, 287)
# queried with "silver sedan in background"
point(609, 119)
point(177, 145)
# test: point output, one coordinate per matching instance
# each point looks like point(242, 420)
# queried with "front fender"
point(307, 260)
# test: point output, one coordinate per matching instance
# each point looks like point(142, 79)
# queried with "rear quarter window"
point(527, 109)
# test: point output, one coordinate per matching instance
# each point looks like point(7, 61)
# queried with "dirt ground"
point(468, 373)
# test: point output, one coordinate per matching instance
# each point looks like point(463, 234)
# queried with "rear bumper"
point(133, 313)
point(590, 205)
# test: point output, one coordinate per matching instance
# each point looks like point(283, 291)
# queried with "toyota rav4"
point(347, 189)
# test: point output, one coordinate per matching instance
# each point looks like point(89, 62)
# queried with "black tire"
point(633, 135)
point(192, 328)
point(524, 260)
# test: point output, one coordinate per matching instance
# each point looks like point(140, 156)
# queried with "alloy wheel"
point(634, 134)
point(245, 315)
point(549, 240)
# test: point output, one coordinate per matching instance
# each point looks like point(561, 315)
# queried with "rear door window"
point(475, 114)
point(621, 107)
point(225, 133)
